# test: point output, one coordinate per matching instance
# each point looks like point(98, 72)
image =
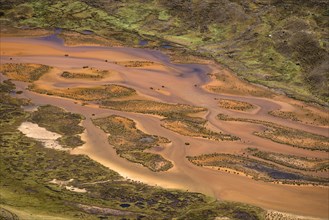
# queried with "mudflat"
point(189, 84)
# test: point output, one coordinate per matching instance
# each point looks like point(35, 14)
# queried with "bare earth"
point(47, 138)
point(175, 83)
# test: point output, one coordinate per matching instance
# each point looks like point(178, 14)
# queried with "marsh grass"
point(292, 161)
point(285, 135)
point(235, 105)
point(130, 142)
point(93, 74)
point(175, 117)
point(305, 114)
point(24, 72)
point(97, 93)
point(257, 169)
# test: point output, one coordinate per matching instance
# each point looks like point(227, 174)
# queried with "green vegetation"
point(135, 63)
point(292, 161)
point(176, 116)
point(7, 86)
point(195, 127)
point(296, 138)
point(130, 142)
point(228, 83)
point(256, 169)
point(7, 215)
point(92, 75)
point(10, 108)
point(57, 120)
point(235, 105)
point(72, 38)
point(27, 169)
point(304, 114)
point(24, 72)
point(285, 135)
point(152, 107)
point(272, 43)
point(97, 93)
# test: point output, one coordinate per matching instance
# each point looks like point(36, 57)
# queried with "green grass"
point(163, 16)
point(10, 108)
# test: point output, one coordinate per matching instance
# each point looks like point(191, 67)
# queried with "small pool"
point(87, 32)
point(125, 205)
point(146, 140)
point(143, 42)
point(166, 46)
point(275, 174)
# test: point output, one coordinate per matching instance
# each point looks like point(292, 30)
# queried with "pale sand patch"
point(63, 183)
point(275, 215)
point(30, 108)
point(47, 138)
point(75, 189)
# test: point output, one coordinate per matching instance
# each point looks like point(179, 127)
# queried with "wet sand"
point(179, 81)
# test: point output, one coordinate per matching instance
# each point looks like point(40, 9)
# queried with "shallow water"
point(166, 46)
point(143, 42)
point(146, 140)
point(87, 32)
point(53, 38)
point(125, 205)
point(275, 174)
point(186, 70)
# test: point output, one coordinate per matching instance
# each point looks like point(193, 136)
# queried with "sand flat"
point(47, 138)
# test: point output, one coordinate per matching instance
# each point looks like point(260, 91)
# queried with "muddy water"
point(179, 81)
